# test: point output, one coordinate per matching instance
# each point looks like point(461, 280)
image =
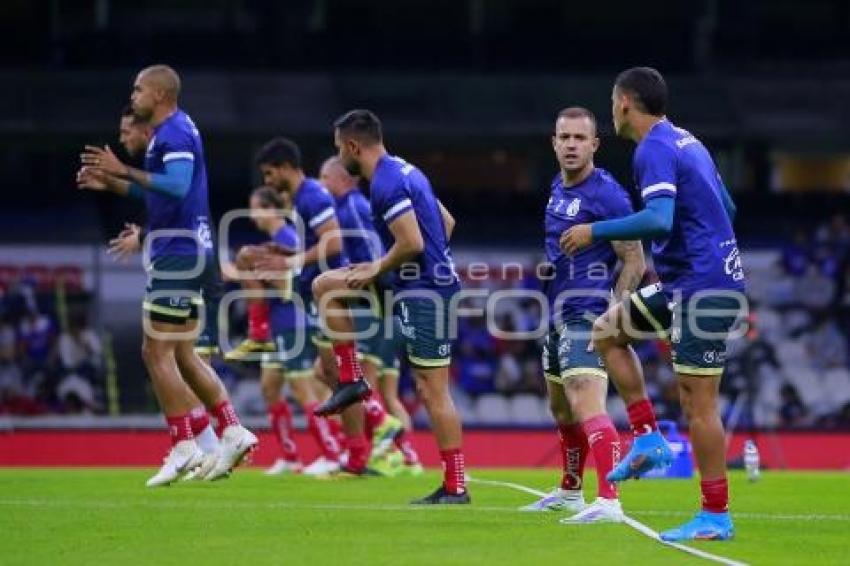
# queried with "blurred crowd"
point(790, 370)
point(49, 363)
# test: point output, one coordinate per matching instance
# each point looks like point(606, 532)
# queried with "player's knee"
point(559, 412)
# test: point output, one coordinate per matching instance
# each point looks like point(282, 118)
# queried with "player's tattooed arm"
point(630, 252)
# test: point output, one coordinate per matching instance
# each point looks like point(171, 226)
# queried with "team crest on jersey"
point(574, 207)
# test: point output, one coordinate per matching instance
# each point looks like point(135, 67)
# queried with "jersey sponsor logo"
point(204, 235)
point(732, 264)
point(574, 207)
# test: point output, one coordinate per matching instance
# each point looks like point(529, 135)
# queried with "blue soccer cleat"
point(704, 526)
point(648, 451)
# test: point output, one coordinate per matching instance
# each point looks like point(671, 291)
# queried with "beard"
point(353, 167)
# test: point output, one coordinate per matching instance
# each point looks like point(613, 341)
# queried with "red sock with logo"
point(179, 427)
point(375, 414)
point(346, 360)
point(454, 472)
point(574, 451)
point(280, 418)
point(715, 495)
point(225, 414)
point(199, 420)
point(258, 320)
point(358, 452)
point(322, 432)
point(336, 430)
point(402, 442)
point(642, 417)
point(605, 444)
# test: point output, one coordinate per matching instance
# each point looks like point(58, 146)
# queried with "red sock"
point(337, 432)
point(225, 415)
point(322, 431)
point(199, 420)
point(258, 320)
point(642, 417)
point(402, 442)
point(454, 473)
point(346, 360)
point(358, 452)
point(715, 495)
point(179, 428)
point(280, 418)
point(605, 444)
point(375, 414)
point(574, 451)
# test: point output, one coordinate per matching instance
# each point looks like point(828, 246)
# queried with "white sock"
point(207, 440)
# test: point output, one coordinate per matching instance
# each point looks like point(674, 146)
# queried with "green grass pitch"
point(105, 516)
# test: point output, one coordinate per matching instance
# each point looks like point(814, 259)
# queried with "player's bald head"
point(162, 77)
point(335, 177)
point(334, 166)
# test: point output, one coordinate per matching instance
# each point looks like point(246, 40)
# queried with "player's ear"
point(595, 143)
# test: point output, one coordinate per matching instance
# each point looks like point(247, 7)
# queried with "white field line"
point(636, 525)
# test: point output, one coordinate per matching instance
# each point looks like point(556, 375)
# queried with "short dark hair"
point(277, 152)
point(269, 198)
point(578, 112)
point(648, 88)
point(127, 112)
point(362, 125)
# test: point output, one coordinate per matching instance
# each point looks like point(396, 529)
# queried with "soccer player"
point(688, 213)
point(578, 293)
point(279, 161)
point(378, 355)
point(134, 136)
point(292, 362)
point(174, 186)
point(414, 228)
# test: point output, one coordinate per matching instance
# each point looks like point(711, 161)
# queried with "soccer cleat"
point(648, 451)
point(384, 435)
point(442, 497)
point(348, 472)
point(281, 467)
point(388, 465)
point(600, 511)
point(414, 470)
point(236, 442)
point(346, 394)
point(558, 500)
point(321, 466)
point(183, 457)
point(198, 472)
point(248, 347)
point(704, 526)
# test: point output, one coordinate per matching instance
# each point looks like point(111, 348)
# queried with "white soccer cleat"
point(558, 500)
point(184, 456)
point(321, 466)
point(205, 467)
point(281, 467)
point(236, 442)
point(600, 511)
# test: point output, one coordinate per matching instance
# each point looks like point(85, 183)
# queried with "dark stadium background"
point(468, 90)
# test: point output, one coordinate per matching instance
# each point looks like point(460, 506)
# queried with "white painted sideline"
point(636, 525)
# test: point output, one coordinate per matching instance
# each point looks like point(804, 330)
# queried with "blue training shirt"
point(314, 206)
point(360, 239)
point(177, 138)
point(598, 197)
point(700, 252)
point(398, 187)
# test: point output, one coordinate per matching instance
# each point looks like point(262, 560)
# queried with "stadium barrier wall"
point(483, 448)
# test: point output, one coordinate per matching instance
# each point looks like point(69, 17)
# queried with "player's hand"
point(102, 160)
point(361, 275)
point(576, 238)
point(89, 179)
point(269, 262)
point(126, 243)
